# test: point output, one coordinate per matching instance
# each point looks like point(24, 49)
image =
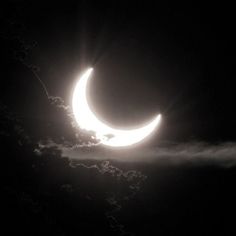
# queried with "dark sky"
point(149, 57)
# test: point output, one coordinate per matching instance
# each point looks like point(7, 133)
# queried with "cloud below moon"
point(197, 153)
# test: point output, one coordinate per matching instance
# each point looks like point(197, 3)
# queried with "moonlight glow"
point(87, 120)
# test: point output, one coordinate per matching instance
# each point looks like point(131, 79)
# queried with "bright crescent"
point(107, 135)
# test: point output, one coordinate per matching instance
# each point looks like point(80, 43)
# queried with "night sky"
point(148, 58)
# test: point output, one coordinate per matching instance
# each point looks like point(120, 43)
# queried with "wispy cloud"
point(194, 153)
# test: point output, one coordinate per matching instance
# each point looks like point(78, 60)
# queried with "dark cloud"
point(43, 160)
point(46, 117)
point(133, 179)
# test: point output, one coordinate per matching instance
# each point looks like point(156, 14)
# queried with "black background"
point(148, 58)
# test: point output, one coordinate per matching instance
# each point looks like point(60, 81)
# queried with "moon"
point(107, 135)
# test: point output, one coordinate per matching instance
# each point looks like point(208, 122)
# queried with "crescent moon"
point(107, 135)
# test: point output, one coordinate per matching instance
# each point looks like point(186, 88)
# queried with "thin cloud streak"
point(223, 154)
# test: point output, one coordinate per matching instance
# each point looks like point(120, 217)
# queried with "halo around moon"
point(107, 135)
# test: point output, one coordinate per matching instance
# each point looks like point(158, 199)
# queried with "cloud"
point(52, 118)
point(131, 179)
point(11, 126)
point(223, 154)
